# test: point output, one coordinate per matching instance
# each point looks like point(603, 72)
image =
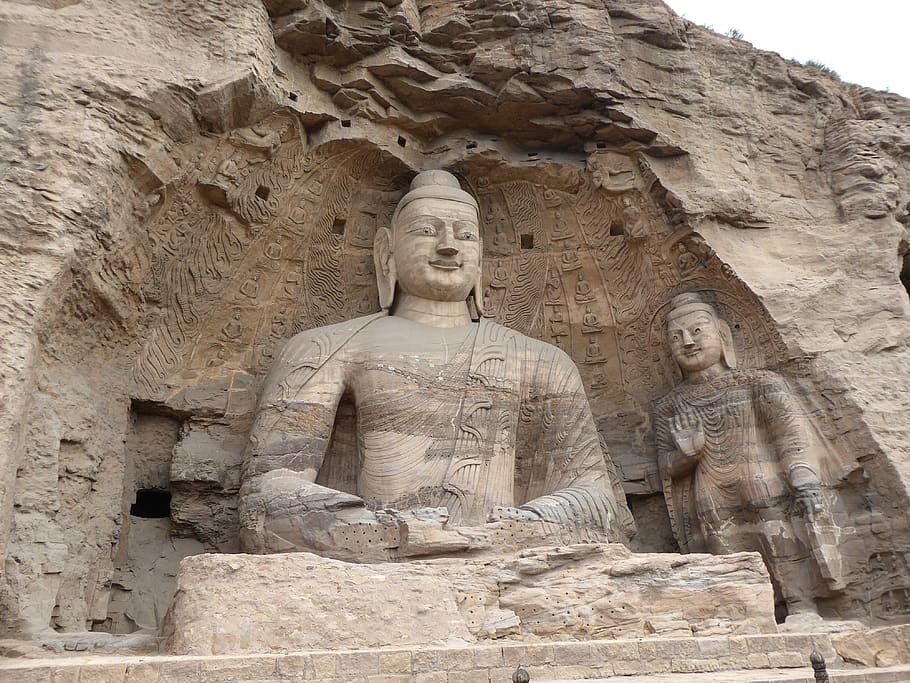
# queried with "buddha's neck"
point(430, 312)
point(702, 376)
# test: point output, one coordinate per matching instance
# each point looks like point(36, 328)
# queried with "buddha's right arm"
point(288, 443)
point(296, 413)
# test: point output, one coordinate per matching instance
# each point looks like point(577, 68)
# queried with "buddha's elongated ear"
point(384, 261)
point(475, 297)
point(726, 337)
point(476, 292)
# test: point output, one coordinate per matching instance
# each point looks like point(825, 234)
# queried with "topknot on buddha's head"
point(435, 184)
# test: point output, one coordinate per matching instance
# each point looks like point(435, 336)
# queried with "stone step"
point(234, 670)
point(892, 674)
point(545, 661)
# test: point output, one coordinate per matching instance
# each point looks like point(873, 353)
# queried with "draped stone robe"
point(755, 435)
point(468, 418)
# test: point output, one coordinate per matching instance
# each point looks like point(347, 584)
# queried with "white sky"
point(866, 43)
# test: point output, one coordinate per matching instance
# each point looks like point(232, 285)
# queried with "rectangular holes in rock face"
point(152, 504)
point(338, 226)
point(154, 431)
point(527, 241)
point(263, 192)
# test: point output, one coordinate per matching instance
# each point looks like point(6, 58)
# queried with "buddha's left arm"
point(572, 486)
point(788, 430)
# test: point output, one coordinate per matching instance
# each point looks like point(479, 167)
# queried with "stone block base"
point(245, 604)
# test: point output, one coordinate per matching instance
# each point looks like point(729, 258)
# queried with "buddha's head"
point(699, 338)
point(433, 249)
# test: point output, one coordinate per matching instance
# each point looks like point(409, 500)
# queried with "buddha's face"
point(436, 247)
point(695, 341)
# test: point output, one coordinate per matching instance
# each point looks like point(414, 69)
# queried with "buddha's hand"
point(502, 513)
point(426, 532)
point(809, 500)
point(807, 487)
point(687, 433)
point(309, 497)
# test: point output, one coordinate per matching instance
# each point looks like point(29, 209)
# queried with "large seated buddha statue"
point(465, 432)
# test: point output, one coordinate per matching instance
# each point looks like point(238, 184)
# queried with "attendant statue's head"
point(432, 252)
point(700, 340)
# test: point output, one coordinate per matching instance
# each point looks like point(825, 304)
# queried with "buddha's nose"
point(687, 339)
point(446, 246)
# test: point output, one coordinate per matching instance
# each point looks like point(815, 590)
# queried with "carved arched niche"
point(263, 237)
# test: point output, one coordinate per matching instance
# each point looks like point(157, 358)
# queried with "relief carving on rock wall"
point(583, 260)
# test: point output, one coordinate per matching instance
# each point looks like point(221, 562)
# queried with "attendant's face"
point(695, 341)
point(436, 248)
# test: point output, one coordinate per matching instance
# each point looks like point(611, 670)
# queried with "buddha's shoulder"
point(327, 340)
point(768, 380)
point(494, 333)
point(752, 378)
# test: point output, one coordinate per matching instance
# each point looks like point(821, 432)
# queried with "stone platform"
point(246, 604)
point(894, 674)
point(731, 659)
point(300, 617)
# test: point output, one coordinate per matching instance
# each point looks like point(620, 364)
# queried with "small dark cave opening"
point(151, 504)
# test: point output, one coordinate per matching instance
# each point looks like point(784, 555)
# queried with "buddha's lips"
point(445, 264)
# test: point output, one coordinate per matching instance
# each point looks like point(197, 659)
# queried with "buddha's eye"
point(697, 330)
point(675, 338)
point(427, 230)
point(467, 235)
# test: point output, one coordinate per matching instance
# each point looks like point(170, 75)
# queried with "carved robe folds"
point(739, 493)
point(467, 418)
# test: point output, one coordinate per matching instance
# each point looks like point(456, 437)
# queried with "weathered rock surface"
point(186, 187)
point(298, 601)
point(888, 646)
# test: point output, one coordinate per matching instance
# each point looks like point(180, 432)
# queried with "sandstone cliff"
point(187, 184)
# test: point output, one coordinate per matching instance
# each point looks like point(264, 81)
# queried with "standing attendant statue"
point(739, 464)
point(449, 412)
